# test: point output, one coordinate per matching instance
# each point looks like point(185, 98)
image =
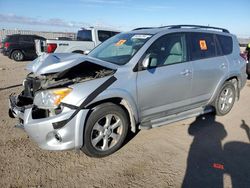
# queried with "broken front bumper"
point(41, 129)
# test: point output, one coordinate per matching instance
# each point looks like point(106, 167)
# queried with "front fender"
point(81, 91)
point(91, 92)
point(119, 93)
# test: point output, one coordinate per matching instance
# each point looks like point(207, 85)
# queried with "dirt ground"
point(204, 152)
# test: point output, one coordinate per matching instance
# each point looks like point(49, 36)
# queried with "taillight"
point(6, 44)
point(51, 47)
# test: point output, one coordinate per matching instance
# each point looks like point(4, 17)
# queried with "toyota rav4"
point(143, 79)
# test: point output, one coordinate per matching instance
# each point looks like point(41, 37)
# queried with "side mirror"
point(149, 61)
point(146, 62)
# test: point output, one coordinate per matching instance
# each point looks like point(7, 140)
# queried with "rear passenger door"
point(165, 87)
point(209, 66)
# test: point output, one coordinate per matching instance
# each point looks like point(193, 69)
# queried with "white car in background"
point(86, 40)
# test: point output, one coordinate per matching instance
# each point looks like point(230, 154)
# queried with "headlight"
point(50, 98)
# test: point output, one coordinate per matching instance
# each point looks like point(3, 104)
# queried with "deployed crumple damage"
point(62, 69)
point(58, 62)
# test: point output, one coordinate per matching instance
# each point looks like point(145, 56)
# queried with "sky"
point(70, 15)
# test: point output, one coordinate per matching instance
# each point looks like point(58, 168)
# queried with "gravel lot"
point(204, 152)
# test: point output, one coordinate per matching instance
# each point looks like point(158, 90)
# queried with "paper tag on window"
point(141, 36)
point(203, 45)
point(120, 42)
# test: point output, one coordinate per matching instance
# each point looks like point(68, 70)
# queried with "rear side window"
point(104, 35)
point(26, 38)
point(226, 44)
point(203, 46)
point(84, 35)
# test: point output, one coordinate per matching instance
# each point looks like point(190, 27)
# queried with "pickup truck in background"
point(85, 41)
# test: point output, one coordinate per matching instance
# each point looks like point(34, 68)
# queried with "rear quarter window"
point(203, 46)
point(104, 35)
point(226, 44)
point(84, 35)
point(26, 38)
point(11, 38)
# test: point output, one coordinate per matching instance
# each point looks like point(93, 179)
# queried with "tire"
point(225, 100)
point(17, 55)
point(103, 133)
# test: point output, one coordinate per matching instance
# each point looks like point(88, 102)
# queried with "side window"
point(84, 35)
point(226, 44)
point(167, 50)
point(203, 45)
point(21, 38)
point(104, 35)
point(26, 38)
point(31, 38)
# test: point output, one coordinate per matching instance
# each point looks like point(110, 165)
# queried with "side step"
point(175, 117)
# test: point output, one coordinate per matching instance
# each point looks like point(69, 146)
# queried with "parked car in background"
point(144, 78)
point(19, 47)
point(1, 46)
point(85, 41)
point(244, 56)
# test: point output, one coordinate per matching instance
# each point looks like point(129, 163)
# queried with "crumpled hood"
point(58, 62)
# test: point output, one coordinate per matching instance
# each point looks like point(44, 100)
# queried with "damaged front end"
point(40, 107)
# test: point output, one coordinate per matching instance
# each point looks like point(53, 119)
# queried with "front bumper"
point(41, 130)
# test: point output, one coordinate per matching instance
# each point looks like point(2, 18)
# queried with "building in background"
point(45, 34)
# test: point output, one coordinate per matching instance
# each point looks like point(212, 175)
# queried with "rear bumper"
point(6, 53)
point(41, 130)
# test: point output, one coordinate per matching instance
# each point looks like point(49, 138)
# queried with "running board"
point(175, 117)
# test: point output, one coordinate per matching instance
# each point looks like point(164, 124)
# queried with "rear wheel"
point(17, 55)
point(106, 130)
point(225, 100)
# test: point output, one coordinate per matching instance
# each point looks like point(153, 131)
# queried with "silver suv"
point(143, 79)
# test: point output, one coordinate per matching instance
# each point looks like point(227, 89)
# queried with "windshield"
point(120, 48)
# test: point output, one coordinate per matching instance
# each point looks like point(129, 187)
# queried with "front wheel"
point(225, 100)
point(106, 130)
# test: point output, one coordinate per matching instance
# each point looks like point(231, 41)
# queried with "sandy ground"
point(204, 152)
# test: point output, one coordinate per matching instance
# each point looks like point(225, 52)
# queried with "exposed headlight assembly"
point(50, 99)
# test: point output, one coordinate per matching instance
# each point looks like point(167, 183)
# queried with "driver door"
point(165, 86)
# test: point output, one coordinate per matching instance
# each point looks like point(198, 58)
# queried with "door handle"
point(223, 66)
point(186, 72)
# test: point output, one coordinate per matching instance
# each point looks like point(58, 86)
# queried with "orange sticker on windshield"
point(120, 42)
point(203, 45)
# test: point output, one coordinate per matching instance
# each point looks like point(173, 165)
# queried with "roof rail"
point(196, 26)
point(187, 26)
point(139, 28)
